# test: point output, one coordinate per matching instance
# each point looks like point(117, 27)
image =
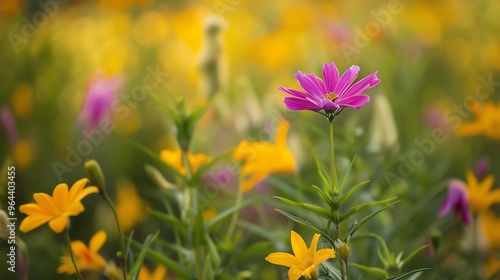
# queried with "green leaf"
point(321, 169)
point(134, 272)
point(171, 265)
point(160, 101)
point(169, 219)
point(325, 196)
point(412, 254)
point(356, 226)
point(404, 275)
point(351, 191)
point(196, 178)
point(345, 176)
point(209, 225)
point(363, 207)
point(213, 252)
point(308, 224)
point(371, 270)
point(208, 272)
point(316, 209)
point(253, 251)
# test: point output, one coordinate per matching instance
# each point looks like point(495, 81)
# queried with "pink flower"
point(332, 93)
point(100, 97)
point(456, 200)
point(9, 125)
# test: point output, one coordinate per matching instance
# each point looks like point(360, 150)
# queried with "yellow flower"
point(174, 158)
point(490, 225)
point(479, 194)
point(261, 159)
point(57, 208)
point(158, 274)
point(305, 261)
point(487, 122)
point(492, 267)
point(86, 258)
point(129, 206)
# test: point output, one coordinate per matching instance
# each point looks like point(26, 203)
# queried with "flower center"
point(332, 96)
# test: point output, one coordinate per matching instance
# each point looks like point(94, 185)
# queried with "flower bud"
point(343, 249)
point(94, 173)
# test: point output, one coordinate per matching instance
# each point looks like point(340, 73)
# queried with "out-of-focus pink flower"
point(456, 200)
point(9, 125)
point(100, 97)
point(332, 93)
point(481, 167)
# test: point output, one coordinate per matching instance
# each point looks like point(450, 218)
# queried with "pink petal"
point(331, 76)
point(362, 85)
point(346, 80)
point(355, 101)
point(294, 92)
point(298, 104)
point(319, 83)
point(309, 86)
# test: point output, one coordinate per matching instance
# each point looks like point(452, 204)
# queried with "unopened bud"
point(343, 249)
point(94, 173)
point(435, 239)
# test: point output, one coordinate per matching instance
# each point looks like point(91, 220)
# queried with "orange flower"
point(174, 158)
point(479, 194)
point(305, 260)
point(487, 122)
point(86, 258)
point(56, 209)
point(261, 159)
point(158, 274)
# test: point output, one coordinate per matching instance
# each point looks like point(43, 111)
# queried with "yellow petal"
point(77, 188)
point(299, 246)
point(323, 255)
point(97, 241)
point(32, 222)
point(294, 273)
point(282, 133)
point(494, 196)
point(314, 245)
point(160, 272)
point(31, 209)
point(60, 196)
point(487, 183)
point(253, 180)
point(59, 224)
point(46, 204)
point(66, 266)
point(281, 258)
point(74, 209)
point(470, 129)
point(471, 180)
point(83, 193)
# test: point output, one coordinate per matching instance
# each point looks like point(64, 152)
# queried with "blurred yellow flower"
point(56, 209)
point(23, 153)
point(174, 158)
point(492, 267)
point(261, 159)
point(130, 207)
point(305, 261)
point(158, 274)
point(490, 224)
point(479, 194)
point(22, 101)
point(86, 258)
point(487, 122)
point(209, 213)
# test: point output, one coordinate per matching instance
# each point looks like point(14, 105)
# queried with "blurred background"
point(60, 61)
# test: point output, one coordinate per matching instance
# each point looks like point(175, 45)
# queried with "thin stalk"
point(192, 193)
point(68, 242)
point(123, 255)
point(332, 160)
point(234, 218)
point(475, 251)
point(348, 274)
point(335, 192)
point(177, 237)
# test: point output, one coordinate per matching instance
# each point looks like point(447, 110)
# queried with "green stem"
point(335, 192)
point(68, 241)
point(192, 193)
point(332, 160)
point(475, 251)
point(177, 237)
point(123, 255)
point(234, 218)
point(347, 269)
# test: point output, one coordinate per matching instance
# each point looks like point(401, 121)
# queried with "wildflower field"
point(235, 139)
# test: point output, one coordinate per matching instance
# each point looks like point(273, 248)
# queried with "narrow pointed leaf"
point(353, 229)
point(412, 254)
point(134, 272)
point(308, 224)
point(169, 219)
point(325, 196)
point(404, 275)
point(316, 209)
point(347, 173)
point(371, 270)
point(209, 225)
point(351, 191)
point(364, 207)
